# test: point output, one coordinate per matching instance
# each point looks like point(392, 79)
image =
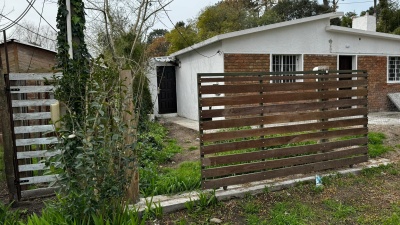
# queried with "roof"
point(28, 44)
point(347, 30)
point(257, 29)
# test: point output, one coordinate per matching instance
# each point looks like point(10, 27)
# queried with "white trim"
point(387, 70)
point(364, 33)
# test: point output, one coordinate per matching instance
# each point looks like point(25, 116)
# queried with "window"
point(285, 63)
point(394, 69)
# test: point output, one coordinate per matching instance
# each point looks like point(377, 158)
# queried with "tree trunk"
point(7, 142)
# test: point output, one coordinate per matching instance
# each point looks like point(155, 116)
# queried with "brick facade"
point(378, 88)
point(246, 62)
point(311, 61)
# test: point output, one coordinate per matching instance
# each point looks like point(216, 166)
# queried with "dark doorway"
point(345, 63)
point(167, 89)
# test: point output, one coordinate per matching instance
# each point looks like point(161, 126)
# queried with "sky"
point(178, 10)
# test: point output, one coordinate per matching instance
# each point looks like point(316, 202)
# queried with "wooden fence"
point(258, 126)
point(31, 98)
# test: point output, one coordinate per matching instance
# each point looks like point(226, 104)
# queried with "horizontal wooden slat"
point(39, 192)
point(38, 179)
point(31, 89)
point(218, 136)
point(247, 77)
point(279, 163)
point(37, 154)
point(38, 102)
point(36, 141)
point(33, 76)
point(31, 116)
point(216, 183)
point(249, 88)
point(282, 152)
point(33, 129)
point(267, 142)
point(284, 118)
point(279, 97)
point(297, 107)
point(31, 167)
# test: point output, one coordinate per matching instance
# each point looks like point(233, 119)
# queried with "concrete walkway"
point(376, 118)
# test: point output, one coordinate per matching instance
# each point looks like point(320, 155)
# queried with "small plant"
point(206, 200)
point(192, 148)
point(375, 144)
point(9, 216)
point(255, 220)
point(251, 207)
point(190, 205)
point(339, 209)
point(266, 190)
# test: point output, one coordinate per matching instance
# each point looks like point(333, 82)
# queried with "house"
point(300, 44)
point(27, 58)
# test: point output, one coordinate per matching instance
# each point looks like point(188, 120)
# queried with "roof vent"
point(366, 22)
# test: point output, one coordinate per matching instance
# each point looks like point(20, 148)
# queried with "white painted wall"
point(365, 22)
point(186, 77)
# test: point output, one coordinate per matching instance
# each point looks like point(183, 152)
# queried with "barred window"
point(284, 63)
point(394, 69)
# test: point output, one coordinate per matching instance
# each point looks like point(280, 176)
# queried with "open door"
point(166, 83)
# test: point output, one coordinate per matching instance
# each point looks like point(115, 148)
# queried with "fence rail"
point(253, 126)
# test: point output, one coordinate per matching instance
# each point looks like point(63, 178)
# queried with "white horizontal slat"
point(33, 129)
point(31, 89)
point(31, 167)
point(37, 154)
point(38, 102)
point(36, 141)
point(33, 76)
point(38, 179)
point(31, 116)
point(39, 192)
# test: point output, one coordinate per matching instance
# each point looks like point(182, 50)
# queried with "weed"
point(397, 146)
point(375, 144)
point(255, 220)
point(286, 213)
point(190, 205)
point(8, 216)
point(339, 209)
point(266, 190)
point(251, 207)
point(369, 172)
point(206, 200)
point(192, 148)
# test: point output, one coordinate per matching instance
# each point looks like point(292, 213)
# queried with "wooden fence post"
point(7, 141)
point(126, 77)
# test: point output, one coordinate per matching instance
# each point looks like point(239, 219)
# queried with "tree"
point(156, 34)
point(158, 47)
point(290, 10)
point(43, 36)
point(181, 36)
point(347, 19)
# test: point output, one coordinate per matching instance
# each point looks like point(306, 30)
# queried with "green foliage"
point(286, 213)
point(290, 10)
point(206, 199)
point(347, 19)
point(9, 216)
point(339, 209)
point(255, 220)
point(375, 145)
point(181, 36)
point(156, 33)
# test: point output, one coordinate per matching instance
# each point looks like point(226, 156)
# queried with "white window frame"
point(297, 64)
point(397, 67)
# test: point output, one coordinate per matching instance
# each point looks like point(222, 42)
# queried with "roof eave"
point(346, 30)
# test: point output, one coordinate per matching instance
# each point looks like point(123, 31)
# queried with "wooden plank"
point(36, 141)
point(283, 118)
point(33, 76)
point(37, 154)
point(221, 182)
point(37, 102)
point(31, 89)
point(267, 142)
point(39, 192)
point(32, 116)
point(31, 167)
point(227, 78)
point(297, 107)
point(33, 129)
point(263, 87)
point(279, 163)
point(219, 136)
point(38, 179)
point(282, 152)
point(279, 97)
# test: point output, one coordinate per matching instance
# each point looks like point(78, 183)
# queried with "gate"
point(33, 135)
point(258, 126)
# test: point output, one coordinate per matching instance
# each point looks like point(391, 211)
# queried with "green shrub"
point(8, 216)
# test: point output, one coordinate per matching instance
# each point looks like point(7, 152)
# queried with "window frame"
point(298, 67)
point(397, 67)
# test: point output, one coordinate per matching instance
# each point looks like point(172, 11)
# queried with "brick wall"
point(377, 82)
point(246, 62)
point(311, 61)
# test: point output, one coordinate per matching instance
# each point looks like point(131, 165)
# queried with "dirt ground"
point(188, 140)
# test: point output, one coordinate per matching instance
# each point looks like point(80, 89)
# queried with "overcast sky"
point(178, 10)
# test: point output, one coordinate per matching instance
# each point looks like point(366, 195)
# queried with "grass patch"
point(375, 145)
point(192, 148)
point(289, 213)
point(338, 209)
